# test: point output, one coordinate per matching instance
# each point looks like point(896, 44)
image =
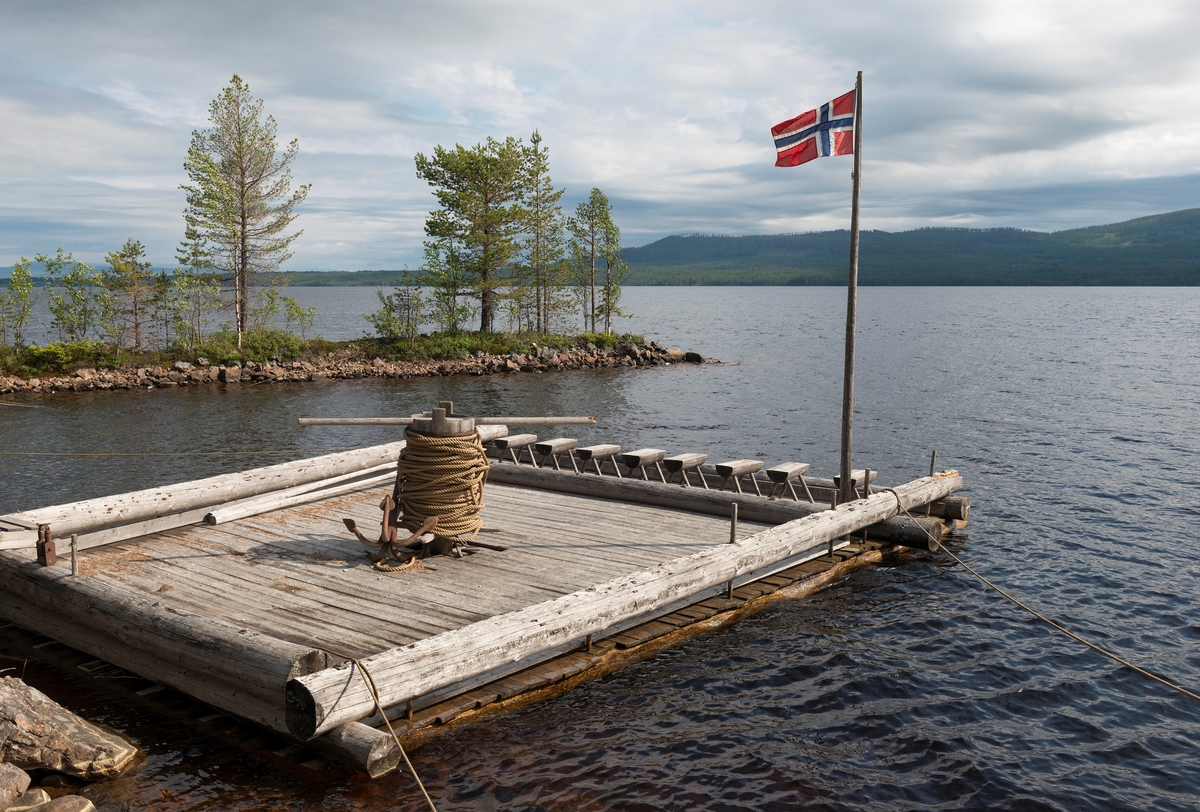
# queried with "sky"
point(1041, 115)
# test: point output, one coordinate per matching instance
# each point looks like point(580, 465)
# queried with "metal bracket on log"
point(46, 554)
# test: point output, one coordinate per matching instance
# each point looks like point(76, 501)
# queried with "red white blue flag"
point(819, 133)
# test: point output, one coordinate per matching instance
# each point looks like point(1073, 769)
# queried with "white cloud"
point(1006, 112)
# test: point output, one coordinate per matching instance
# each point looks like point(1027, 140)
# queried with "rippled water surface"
point(1074, 416)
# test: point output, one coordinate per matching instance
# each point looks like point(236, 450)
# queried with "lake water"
point(1074, 416)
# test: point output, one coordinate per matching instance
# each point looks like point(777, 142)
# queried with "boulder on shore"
point(37, 733)
point(13, 783)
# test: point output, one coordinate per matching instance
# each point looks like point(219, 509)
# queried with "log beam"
point(236, 670)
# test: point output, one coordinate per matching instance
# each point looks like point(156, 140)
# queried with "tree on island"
point(499, 234)
point(480, 192)
point(595, 237)
point(240, 201)
point(543, 244)
point(16, 303)
point(128, 284)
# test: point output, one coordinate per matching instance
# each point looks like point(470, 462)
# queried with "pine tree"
point(479, 191)
point(129, 282)
point(240, 202)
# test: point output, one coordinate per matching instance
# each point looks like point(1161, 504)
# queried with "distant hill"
point(1163, 249)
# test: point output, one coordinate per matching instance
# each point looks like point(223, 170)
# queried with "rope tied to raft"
point(369, 681)
point(937, 545)
point(442, 477)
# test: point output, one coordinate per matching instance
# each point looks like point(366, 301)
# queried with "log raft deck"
point(230, 589)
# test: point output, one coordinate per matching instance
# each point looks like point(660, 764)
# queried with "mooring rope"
point(1098, 649)
point(442, 477)
point(369, 681)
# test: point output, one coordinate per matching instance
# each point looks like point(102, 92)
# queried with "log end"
point(310, 662)
point(957, 507)
point(301, 715)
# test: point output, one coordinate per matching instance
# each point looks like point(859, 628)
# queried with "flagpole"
point(847, 484)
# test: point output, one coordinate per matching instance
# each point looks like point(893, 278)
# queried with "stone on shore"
point(13, 783)
point(68, 803)
point(30, 800)
point(37, 733)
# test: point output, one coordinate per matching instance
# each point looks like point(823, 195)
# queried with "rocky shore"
point(341, 366)
point(46, 746)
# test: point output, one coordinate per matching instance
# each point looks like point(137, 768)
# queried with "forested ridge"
point(1162, 249)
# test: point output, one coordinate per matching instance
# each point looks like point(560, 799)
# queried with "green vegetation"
point(1161, 249)
point(449, 346)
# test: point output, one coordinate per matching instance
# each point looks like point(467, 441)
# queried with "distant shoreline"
point(344, 366)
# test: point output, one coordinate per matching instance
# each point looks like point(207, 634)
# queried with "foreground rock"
point(13, 783)
point(32, 799)
point(67, 803)
point(345, 366)
point(39, 734)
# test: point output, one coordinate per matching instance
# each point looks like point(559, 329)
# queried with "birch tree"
point(240, 202)
point(595, 238)
point(16, 304)
point(544, 241)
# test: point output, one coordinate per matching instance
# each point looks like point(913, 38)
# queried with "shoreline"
point(347, 366)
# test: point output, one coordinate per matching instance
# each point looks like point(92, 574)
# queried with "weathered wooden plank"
point(322, 701)
point(152, 503)
point(750, 507)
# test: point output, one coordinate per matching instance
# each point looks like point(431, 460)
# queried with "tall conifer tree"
point(240, 201)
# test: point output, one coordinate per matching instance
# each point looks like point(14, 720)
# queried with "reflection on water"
point(1074, 417)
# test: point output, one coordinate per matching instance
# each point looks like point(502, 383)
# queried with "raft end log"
point(366, 749)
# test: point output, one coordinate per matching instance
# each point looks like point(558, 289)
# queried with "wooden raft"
point(237, 612)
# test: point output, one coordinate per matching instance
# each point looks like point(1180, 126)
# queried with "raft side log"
point(324, 700)
point(236, 670)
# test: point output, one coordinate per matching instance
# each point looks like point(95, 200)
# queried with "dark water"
point(1074, 416)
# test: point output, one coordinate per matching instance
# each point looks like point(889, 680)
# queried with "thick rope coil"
point(442, 477)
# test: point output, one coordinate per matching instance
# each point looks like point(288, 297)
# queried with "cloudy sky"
point(1046, 115)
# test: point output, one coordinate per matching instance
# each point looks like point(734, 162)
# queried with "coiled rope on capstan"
point(442, 477)
point(1098, 649)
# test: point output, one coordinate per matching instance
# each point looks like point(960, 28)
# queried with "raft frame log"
point(326, 699)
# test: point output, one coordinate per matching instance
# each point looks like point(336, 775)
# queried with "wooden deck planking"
point(298, 574)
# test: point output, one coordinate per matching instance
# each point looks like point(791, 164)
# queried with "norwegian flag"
point(817, 133)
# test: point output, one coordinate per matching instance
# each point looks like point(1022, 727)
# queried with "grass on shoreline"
point(280, 346)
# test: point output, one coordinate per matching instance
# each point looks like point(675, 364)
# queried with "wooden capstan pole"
point(846, 481)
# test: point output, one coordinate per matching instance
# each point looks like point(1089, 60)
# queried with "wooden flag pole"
point(847, 483)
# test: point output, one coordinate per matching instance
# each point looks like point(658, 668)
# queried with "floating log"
point(321, 701)
point(363, 748)
point(479, 421)
point(236, 670)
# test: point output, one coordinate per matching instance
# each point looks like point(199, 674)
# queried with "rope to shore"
point(1094, 647)
point(442, 477)
point(369, 681)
